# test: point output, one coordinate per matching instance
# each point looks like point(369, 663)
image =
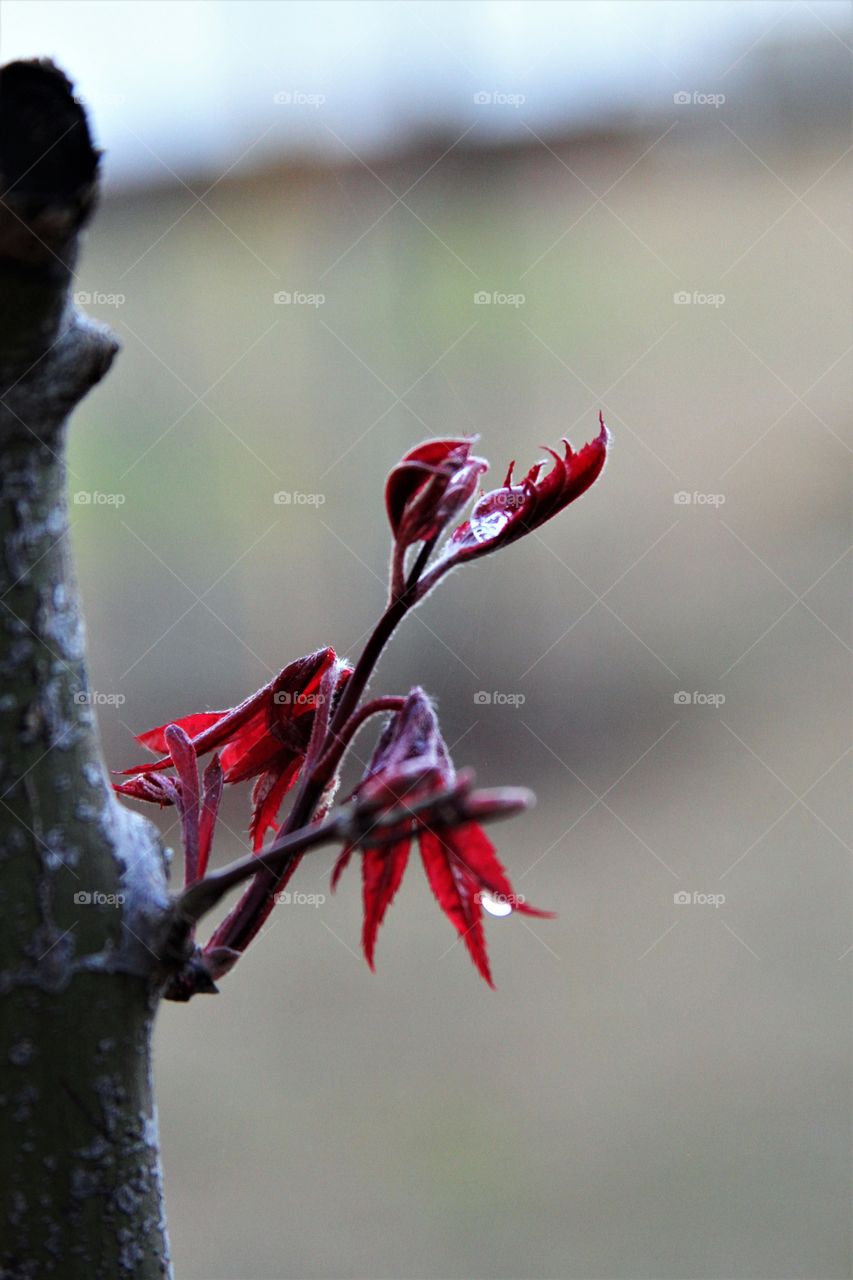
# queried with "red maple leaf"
point(265, 737)
point(410, 763)
point(506, 514)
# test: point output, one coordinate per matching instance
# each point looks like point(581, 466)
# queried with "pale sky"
point(192, 83)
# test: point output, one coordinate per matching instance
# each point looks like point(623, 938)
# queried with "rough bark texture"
point(82, 881)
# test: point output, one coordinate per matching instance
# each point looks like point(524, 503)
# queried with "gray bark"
point(79, 978)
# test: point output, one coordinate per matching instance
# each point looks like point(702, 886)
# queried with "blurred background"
point(328, 232)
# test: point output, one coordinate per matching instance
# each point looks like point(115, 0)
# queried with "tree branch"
point(350, 824)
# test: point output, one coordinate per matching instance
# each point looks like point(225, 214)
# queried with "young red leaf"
point(193, 726)
point(424, 492)
point(427, 488)
point(456, 892)
point(183, 758)
point(410, 765)
point(267, 795)
point(504, 515)
point(265, 737)
point(381, 871)
point(212, 797)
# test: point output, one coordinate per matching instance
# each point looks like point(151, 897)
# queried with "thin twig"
point(352, 824)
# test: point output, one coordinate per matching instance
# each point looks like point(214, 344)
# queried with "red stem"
point(356, 720)
point(247, 918)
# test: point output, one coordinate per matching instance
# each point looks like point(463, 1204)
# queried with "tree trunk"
point(82, 880)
